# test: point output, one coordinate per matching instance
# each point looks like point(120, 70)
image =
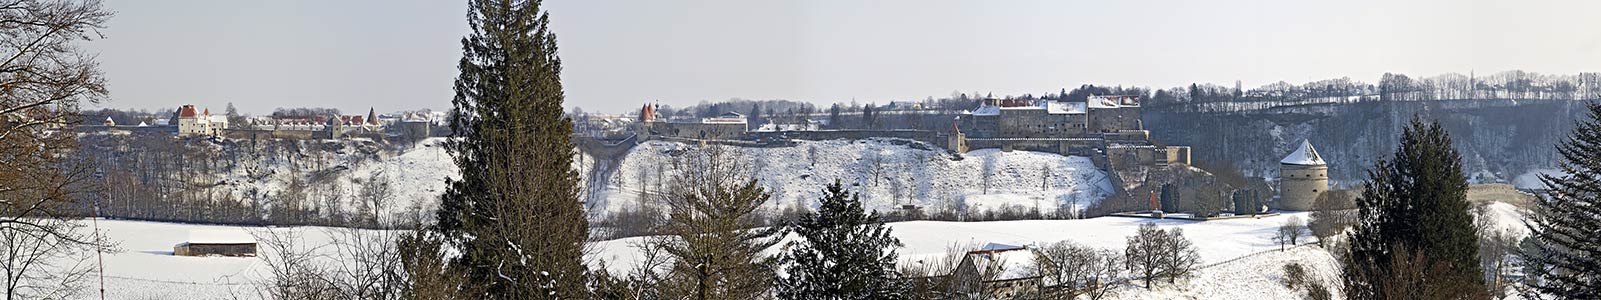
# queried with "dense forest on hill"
point(1499, 139)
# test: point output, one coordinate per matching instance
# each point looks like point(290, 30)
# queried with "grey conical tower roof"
point(1304, 155)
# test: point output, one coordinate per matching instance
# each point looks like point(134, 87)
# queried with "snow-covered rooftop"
point(987, 110)
point(220, 236)
point(1304, 155)
point(1054, 107)
point(1050, 107)
point(1013, 263)
point(1095, 101)
point(774, 127)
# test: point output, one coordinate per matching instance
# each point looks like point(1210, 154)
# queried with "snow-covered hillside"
point(416, 176)
point(1256, 276)
point(1497, 139)
point(323, 176)
point(887, 172)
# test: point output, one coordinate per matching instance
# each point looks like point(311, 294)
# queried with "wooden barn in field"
point(217, 242)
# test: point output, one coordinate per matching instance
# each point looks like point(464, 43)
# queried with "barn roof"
point(220, 236)
point(998, 247)
point(1014, 261)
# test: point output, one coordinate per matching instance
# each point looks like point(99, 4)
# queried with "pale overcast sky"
point(401, 54)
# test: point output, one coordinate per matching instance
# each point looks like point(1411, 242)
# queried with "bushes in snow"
point(1295, 277)
point(1332, 213)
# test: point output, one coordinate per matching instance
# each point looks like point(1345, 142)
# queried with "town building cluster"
point(202, 123)
point(192, 121)
point(1105, 128)
point(191, 124)
point(727, 126)
point(1100, 127)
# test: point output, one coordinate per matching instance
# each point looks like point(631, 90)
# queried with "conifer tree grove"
point(1414, 215)
point(844, 253)
point(1562, 250)
point(514, 214)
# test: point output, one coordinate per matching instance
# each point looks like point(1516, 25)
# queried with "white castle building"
point(194, 123)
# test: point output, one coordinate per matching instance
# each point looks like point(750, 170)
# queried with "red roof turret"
point(187, 111)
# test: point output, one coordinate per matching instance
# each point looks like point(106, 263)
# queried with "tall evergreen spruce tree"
point(844, 253)
point(515, 213)
point(714, 231)
point(1563, 246)
point(1414, 216)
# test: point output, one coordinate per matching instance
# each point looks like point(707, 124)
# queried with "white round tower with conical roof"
point(1303, 176)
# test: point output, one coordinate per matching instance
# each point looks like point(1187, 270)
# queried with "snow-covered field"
point(146, 269)
point(888, 173)
point(1240, 260)
point(1531, 179)
point(1258, 276)
point(1216, 241)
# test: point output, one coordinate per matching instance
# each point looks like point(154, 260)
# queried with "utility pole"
point(100, 243)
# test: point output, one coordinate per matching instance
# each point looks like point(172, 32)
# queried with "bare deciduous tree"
point(1157, 253)
point(1070, 269)
point(1144, 252)
point(1290, 233)
point(373, 197)
point(294, 268)
point(354, 264)
point(44, 79)
point(40, 265)
point(1497, 247)
point(1179, 256)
